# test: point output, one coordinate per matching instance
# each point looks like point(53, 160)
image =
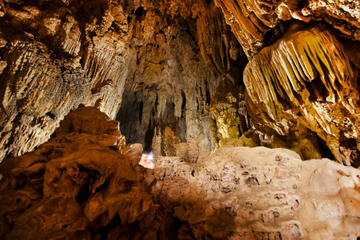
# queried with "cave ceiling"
point(222, 72)
point(250, 110)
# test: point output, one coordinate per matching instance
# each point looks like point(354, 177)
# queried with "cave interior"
point(180, 119)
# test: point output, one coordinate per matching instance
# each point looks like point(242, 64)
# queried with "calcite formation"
point(228, 107)
point(158, 67)
point(259, 193)
point(54, 56)
point(306, 80)
point(85, 183)
point(251, 21)
point(74, 185)
point(172, 72)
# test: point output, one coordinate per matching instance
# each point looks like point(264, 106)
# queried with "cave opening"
point(130, 115)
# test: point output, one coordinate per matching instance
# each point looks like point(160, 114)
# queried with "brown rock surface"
point(74, 185)
point(297, 90)
point(306, 80)
point(80, 186)
point(260, 193)
point(228, 108)
point(169, 55)
point(252, 20)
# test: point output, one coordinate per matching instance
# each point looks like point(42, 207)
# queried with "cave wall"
point(56, 59)
point(252, 21)
point(309, 83)
point(172, 71)
point(302, 77)
point(57, 55)
point(178, 69)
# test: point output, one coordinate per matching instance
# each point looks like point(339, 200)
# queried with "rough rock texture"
point(260, 193)
point(86, 184)
point(252, 20)
point(72, 186)
point(306, 80)
point(302, 78)
point(231, 119)
point(156, 66)
point(50, 71)
point(169, 55)
point(172, 84)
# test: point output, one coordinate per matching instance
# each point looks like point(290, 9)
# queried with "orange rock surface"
point(252, 20)
point(305, 80)
point(85, 183)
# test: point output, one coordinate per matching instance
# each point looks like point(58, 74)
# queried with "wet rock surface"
point(85, 183)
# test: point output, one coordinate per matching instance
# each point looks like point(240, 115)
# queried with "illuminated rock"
point(85, 183)
point(252, 20)
point(305, 80)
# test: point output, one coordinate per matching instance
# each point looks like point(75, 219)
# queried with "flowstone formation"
point(257, 23)
point(85, 183)
point(302, 77)
point(159, 60)
point(172, 71)
point(305, 80)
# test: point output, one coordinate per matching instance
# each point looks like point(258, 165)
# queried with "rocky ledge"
point(85, 183)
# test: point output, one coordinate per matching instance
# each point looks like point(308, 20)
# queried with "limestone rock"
point(229, 111)
point(252, 20)
point(259, 193)
point(80, 186)
point(74, 185)
point(55, 56)
point(305, 80)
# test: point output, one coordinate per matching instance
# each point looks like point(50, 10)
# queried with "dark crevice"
point(84, 192)
point(208, 98)
point(51, 115)
point(149, 135)
point(183, 104)
point(103, 186)
point(324, 149)
point(275, 33)
point(115, 221)
point(141, 106)
point(140, 14)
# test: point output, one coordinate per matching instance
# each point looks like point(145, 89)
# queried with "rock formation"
point(197, 83)
point(171, 71)
point(85, 183)
point(302, 78)
point(157, 60)
point(305, 80)
point(251, 21)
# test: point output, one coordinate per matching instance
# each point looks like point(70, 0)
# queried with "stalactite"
point(251, 20)
point(305, 77)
